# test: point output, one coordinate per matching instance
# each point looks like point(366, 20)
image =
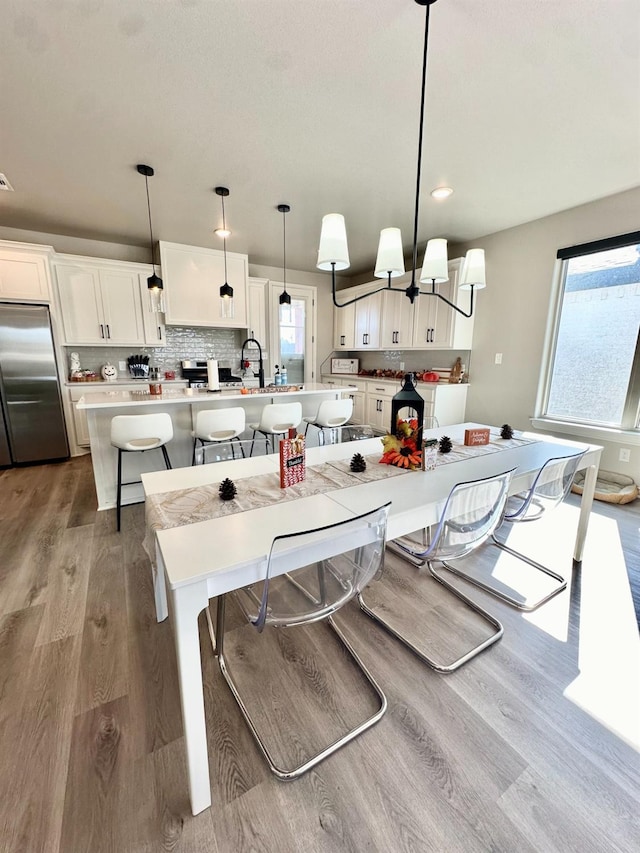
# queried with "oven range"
point(196, 374)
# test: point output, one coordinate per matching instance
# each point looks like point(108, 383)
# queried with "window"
point(594, 375)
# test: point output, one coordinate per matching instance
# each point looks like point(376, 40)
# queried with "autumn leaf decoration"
point(402, 449)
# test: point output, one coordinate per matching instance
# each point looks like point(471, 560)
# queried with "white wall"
point(511, 313)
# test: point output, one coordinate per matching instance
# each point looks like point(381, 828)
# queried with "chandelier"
point(333, 253)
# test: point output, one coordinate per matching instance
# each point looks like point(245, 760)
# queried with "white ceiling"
point(533, 106)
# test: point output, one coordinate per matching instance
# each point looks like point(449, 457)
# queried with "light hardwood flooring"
point(526, 748)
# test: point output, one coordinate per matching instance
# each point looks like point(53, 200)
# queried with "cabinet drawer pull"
point(342, 340)
point(108, 332)
point(101, 330)
point(159, 333)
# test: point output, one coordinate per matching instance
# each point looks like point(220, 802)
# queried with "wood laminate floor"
point(526, 748)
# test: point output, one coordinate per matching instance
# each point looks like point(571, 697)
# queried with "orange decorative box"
point(473, 437)
point(291, 460)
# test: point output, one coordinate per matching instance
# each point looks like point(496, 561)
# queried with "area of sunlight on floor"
point(608, 684)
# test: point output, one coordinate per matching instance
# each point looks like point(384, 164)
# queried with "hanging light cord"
point(224, 241)
point(284, 250)
point(153, 263)
point(419, 170)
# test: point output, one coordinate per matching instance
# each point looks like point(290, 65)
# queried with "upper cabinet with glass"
point(192, 279)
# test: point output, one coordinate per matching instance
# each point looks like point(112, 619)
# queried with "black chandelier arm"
point(455, 307)
point(356, 298)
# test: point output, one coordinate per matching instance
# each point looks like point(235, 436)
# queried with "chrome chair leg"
point(217, 641)
point(455, 664)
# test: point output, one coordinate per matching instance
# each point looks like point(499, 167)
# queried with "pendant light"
point(154, 282)
point(226, 291)
point(284, 299)
point(333, 253)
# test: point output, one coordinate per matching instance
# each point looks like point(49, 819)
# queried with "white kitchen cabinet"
point(192, 279)
point(436, 325)
point(100, 301)
point(24, 272)
point(344, 326)
point(367, 322)
point(396, 325)
point(257, 310)
point(378, 403)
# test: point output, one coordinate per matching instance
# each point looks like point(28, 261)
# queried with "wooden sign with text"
point(474, 437)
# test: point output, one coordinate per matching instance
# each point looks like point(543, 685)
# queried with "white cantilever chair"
point(472, 512)
point(277, 419)
point(308, 576)
point(550, 487)
point(216, 425)
point(138, 433)
point(330, 415)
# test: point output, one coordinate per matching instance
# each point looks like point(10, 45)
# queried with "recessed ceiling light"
point(441, 192)
point(222, 232)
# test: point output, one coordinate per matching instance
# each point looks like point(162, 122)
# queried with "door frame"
point(298, 291)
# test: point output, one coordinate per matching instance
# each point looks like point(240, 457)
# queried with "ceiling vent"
point(4, 183)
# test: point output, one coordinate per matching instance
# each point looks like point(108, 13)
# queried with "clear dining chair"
point(471, 513)
point(549, 488)
point(308, 576)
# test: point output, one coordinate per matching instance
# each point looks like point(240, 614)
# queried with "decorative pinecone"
point(445, 445)
point(358, 463)
point(506, 431)
point(227, 490)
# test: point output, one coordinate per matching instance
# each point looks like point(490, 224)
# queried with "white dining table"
point(197, 562)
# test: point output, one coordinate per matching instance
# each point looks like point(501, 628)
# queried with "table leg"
point(188, 602)
point(586, 502)
point(160, 587)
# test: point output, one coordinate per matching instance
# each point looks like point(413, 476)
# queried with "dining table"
point(201, 547)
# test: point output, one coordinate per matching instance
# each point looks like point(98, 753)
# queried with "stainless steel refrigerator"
point(32, 427)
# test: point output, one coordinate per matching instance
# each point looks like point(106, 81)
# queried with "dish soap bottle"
point(283, 375)
point(276, 377)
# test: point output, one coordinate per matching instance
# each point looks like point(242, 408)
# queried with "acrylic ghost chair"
point(308, 576)
point(549, 488)
point(471, 513)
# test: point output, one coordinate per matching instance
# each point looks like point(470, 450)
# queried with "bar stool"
point(137, 433)
point(330, 415)
point(277, 419)
point(218, 425)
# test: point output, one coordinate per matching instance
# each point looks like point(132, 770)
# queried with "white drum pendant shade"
point(390, 259)
point(436, 264)
point(333, 243)
point(473, 271)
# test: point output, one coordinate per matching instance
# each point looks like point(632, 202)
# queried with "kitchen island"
point(181, 404)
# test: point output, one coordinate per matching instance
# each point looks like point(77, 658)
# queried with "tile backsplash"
point(181, 342)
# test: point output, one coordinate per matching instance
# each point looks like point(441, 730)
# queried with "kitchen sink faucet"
point(260, 364)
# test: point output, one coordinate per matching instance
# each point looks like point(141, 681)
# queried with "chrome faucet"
point(260, 364)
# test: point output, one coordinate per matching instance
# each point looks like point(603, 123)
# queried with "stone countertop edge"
point(117, 399)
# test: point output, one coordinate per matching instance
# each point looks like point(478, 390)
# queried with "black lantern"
point(407, 404)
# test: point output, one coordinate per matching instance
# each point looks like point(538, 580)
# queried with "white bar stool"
point(277, 419)
point(137, 433)
point(216, 425)
point(330, 414)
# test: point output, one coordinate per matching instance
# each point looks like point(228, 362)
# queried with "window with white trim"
point(594, 366)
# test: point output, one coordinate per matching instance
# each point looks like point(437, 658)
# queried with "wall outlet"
point(122, 365)
point(498, 358)
point(402, 365)
point(624, 455)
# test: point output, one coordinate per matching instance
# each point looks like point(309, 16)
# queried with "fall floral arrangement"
point(402, 449)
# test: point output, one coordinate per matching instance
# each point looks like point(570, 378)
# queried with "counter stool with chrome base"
point(137, 433)
point(277, 419)
point(330, 415)
point(216, 425)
